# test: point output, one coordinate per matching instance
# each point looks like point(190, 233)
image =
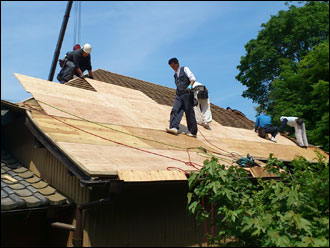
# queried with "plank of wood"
point(59, 131)
point(261, 172)
point(107, 160)
point(148, 176)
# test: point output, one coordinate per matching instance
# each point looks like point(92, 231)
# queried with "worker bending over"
point(263, 127)
point(75, 63)
point(299, 127)
point(203, 109)
point(184, 79)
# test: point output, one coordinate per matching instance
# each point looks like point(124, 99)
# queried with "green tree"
point(292, 211)
point(281, 43)
point(304, 92)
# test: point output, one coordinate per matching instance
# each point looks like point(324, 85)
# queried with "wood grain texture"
point(130, 117)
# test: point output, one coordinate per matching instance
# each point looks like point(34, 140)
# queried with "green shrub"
point(290, 211)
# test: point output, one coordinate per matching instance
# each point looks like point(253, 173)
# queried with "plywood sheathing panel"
point(107, 160)
point(142, 176)
point(165, 95)
point(59, 131)
point(96, 106)
point(137, 115)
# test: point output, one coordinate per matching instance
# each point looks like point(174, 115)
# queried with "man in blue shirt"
point(263, 126)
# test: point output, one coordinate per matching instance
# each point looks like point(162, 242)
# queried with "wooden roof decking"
point(160, 94)
point(116, 130)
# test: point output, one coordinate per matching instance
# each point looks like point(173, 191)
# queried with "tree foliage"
point(304, 92)
point(292, 211)
point(284, 40)
point(286, 68)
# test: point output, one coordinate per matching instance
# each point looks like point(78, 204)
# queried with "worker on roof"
point(298, 125)
point(229, 109)
point(184, 80)
point(76, 47)
point(202, 109)
point(263, 126)
point(76, 62)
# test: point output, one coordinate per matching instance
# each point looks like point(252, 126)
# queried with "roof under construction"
point(114, 125)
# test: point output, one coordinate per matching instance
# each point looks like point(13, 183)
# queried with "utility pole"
point(60, 40)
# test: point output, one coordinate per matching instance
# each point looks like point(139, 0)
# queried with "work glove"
point(90, 76)
point(190, 86)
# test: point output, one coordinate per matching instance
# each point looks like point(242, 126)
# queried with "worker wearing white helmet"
point(77, 62)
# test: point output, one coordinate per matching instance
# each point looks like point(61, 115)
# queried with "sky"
point(137, 39)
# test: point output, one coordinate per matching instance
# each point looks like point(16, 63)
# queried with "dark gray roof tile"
point(18, 178)
point(43, 199)
point(3, 194)
point(20, 202)
point(14, 165)
point(4, 167)
point(7, 204)
point(11, 173)
point(25, 183)
point(8, 190)
point(3, 184)
point(9, 160)
point(32, 189)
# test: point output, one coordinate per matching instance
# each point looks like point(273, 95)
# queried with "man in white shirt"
point(183, 102)
point(203, 109)
point(299, 127)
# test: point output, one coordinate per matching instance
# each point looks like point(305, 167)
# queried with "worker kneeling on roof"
point(263, 126)
point(75, 63)
point(299, 128)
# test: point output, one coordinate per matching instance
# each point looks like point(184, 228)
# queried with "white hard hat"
point(87, 48)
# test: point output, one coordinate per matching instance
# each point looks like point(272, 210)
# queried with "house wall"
point(144, 214)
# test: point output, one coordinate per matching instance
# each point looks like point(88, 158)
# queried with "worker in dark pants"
point(263, 127)
point(298, 125)
point(75, 63)
point(184, 79)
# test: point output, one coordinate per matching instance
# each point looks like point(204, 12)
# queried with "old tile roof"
point(21, 189)
point(162, 95)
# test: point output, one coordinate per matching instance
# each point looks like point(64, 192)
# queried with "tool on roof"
point(246, 162)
